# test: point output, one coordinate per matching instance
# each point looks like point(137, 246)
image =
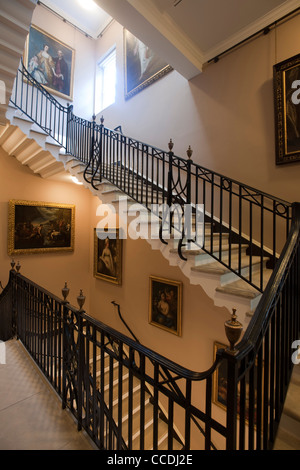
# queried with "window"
point(105, 82)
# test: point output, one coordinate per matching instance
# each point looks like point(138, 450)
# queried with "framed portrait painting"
point(50, 62)
point(165, 304)
point(40, 227)
point(142, 66)
point(108, 255)
point(287, 110)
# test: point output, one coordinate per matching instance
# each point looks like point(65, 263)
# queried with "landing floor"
point(31, 416)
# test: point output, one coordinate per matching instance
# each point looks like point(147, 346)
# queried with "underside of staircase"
point(15, 20)
point(31, 146)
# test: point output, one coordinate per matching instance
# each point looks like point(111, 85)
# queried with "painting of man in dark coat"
point(61, 74)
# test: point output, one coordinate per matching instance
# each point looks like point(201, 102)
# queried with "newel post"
point(65, 293)
point(100, 166)
point(80, 371)
point(189, 153)
point(68, 128)
point(16, 322)
point(170, 173)
point(233, 330)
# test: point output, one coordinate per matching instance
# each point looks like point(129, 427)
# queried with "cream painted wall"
point(226, 113)
point(202, 322)
point(50, 270)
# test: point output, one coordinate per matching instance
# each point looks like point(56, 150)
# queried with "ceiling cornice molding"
point(132, 19)
point(168, 28)
point(252, 29)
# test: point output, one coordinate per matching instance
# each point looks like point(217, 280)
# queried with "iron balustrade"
point(259, 372)
point(40, 106)
point(109, 381)
point(92, 367)
point(245, 228)
point(65, 342)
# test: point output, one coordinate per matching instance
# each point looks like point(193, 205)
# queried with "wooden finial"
point(81, 299)
point(233, 330)
point(189, 152)
point(65, 292)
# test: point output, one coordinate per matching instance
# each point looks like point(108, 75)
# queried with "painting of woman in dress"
point(50, 62)
point(108, 256)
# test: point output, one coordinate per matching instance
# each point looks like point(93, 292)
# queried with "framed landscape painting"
point(50, 62)
point(40, 227)
point(108, 255)
point(142, 66)
point(165, 304)
point(287, 110)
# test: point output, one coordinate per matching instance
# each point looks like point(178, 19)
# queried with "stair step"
point(221, 270)
point(201, 253)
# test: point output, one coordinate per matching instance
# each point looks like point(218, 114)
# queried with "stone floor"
point(31, 415)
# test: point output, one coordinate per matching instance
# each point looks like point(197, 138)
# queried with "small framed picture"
point(40, 227)
point(165, 304)
point(108, 255)
point(287, 110)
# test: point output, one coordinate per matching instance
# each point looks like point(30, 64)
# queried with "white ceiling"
point(187, 35)
point(90, 18)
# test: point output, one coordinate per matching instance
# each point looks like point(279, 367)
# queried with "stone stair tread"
point(199, 251)
point(291, 405)
point(219, 269)
point(242, 288)
point(286, 441)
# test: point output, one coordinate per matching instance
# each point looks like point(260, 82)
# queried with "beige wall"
point(202, 322)
point(50, 270)
point(226, 113)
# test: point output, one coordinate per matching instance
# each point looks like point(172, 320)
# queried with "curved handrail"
point(152, 355)
point(258, 324)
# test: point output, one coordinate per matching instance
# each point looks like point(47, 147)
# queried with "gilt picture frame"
point(286, 77)
point(108, 255)
point(165, 304)
point(40, 227)
point(50, 62)
point(142, 66)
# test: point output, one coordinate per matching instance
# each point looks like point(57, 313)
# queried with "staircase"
point(131, 420)
point(31, 146)
point(25, 141)
point(288, 434)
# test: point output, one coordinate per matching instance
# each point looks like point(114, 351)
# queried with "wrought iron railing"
point(240, 220)
point(107, 379)
point(259, 371)
point(93, 367)
point(258, 368)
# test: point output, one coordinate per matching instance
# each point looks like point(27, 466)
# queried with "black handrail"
point(71, 348)
point(235, 212)
point(168, 379)
point(263, 356)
